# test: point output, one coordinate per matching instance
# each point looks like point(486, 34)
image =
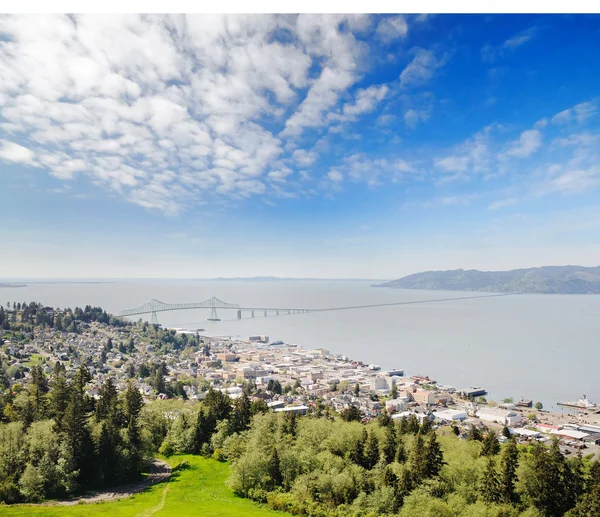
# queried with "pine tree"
point(474, 434)
point(418, 460)
point(509, 461)
point(389, 446)
point(109, 454)
point(413, 426)
point(426, 426)
point(201, 432)
point(60, 394)
point(394, 391)
point(489, 486)
point(400, 455)
point(356, 389)
point(434, 456)
point(358, 453)
point(77, 438)
point(385, 420)
point(506, 432)
point(107, 403)
point(241, 415)
point(403, 426)
point(275, 469)
point(491, 445)
point(371, 451)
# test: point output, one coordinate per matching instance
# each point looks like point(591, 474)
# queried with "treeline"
point(29, 315)
point(59, 441)
point(327, 467)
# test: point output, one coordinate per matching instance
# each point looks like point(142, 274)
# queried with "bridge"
point(153, 307)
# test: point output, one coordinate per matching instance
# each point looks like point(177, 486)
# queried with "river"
point(541, 347)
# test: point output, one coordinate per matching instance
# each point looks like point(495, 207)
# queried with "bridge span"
point(153, 307)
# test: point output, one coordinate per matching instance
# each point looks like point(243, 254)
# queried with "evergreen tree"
point(400, 455)
point(202, 432)
point(418, 460)
point(474, 434)
point(390, 445)
point(351, 414)
point(241, 415)
point(413, 426)
point(106, 406)
point(275, 469)
point(491, 445)
point(60, 394)
point(403, 426)
point(77, 439)
point(489, 486)
point(426, 426)
point(394, 391)
point(434, 456)
point(371, 451)
point(358, 453)
point(509, 461)
point(289, 423)
point(109, 454)
point(506, 432)
point(356, 389)
point(385, 420)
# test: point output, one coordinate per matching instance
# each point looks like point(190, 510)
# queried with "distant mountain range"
point(546, 279)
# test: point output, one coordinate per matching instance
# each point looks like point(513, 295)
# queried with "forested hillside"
point(547, 280)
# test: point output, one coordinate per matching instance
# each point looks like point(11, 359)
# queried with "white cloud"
point(421, 69)
point(529, 142)
point(335, 176)
point(391, 28)
point(491, 53)
point(16, 153)
point(412, 117)
point(304, 158)
point(578, 113)
point(453, 163)
point(521, 38)
point(122, 99)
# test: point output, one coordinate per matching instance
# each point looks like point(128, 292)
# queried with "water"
point(542, 347)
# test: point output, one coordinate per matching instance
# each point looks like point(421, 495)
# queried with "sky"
point(333, 146)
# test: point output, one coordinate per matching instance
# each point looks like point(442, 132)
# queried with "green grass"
point(199, 490)
point(34, 359)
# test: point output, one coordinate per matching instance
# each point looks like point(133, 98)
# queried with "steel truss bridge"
point(153, 307)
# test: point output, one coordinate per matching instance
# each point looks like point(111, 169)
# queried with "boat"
point(582, 403)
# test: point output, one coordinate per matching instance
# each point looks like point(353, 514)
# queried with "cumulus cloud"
point(527, 144)
point(421, 69)
point(15, 153)
point(391, 28)
point(578, 113)
point(170, 110)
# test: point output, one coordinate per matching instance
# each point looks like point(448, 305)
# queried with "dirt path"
point(159, 471)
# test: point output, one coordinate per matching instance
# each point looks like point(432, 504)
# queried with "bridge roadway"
point(155, 306)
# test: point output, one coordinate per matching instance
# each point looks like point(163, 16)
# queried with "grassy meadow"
point(197, 491)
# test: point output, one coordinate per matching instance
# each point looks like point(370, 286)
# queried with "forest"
point(56, 441)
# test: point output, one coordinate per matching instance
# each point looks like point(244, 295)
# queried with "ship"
point(582, 403)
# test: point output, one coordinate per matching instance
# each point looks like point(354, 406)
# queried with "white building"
point(502, 416)
point(379, 382)
point(450, 415)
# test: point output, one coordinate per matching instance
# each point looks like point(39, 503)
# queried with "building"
point(259, 339)
point(396, 405)
point(450, 415)
point(424, 396)
point(299, 410)
point(228, 357)
point(379, 382)
point(502, 416)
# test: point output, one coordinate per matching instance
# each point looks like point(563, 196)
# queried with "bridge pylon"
point(154, 318)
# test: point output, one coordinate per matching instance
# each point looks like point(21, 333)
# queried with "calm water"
point(543, 347)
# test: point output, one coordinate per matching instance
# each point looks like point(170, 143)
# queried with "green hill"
point(546, 279)
point(198, 491)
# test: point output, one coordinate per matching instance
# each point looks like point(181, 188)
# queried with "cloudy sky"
point(311, 145)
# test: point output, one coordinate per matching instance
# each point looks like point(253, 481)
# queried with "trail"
point(158, 507)
point(159, 471)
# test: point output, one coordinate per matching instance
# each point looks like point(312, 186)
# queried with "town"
point(180, 363)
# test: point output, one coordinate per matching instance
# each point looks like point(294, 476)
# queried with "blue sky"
point(312, 145)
